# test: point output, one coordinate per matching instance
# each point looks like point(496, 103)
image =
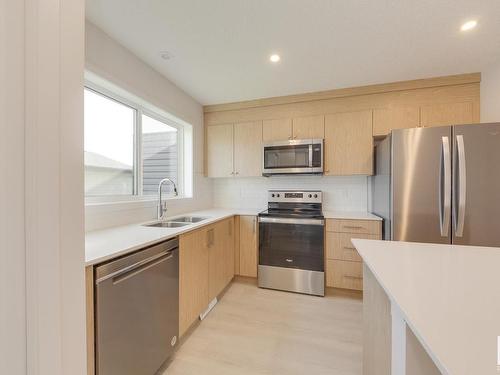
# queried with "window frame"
point(139, 110)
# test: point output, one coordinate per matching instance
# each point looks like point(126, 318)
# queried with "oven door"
point(291, 243)
point(295, 156)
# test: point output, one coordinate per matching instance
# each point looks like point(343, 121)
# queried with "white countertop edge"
point(95, 255)
point(435, 359)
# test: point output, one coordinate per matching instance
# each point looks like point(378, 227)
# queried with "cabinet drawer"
point(344, 274)
point(354, 226)
point(339, 246)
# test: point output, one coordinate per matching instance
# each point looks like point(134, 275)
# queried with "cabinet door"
point(248, 149)
point(220, 150)
point(229, 250)
point(310, 127)
point(349, 144)
point(216, 237)
point(248, 246)
point(193, 277)
point(387, 119)
point(447, 114)
point(277, 130)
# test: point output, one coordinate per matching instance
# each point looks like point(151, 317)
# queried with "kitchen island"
point(430, 309)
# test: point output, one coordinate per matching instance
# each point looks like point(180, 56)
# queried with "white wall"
point(12, 229)
point(340, 193)
point(490, 94)
point(42, 289)
point(111, 61)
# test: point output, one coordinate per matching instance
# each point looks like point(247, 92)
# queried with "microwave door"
point(287, 158)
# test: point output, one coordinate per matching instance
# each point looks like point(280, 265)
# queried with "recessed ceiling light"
point(469, 25)
point(275, 58)
point(166, 55)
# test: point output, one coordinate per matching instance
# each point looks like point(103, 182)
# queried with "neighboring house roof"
point(95, 160)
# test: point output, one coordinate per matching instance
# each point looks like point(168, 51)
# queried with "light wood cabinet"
point(349, 143)
point(193, 277)
point(206, 266)
point(343, 263)
point(221, 256)
point(234, 150)
point(217, 265)
point(220, 150)
point(344, 274)
point(387, 119)
point(248, 149)
point(277, 130)
point(310, 127)
point(339, 246)
point(354, 226)
point(248, 246)
point(447, 114)
point(229, 252)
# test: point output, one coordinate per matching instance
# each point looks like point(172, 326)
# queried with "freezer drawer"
point(137, 311)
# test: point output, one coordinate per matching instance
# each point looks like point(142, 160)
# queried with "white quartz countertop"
point(449, 296)
point(350, 215)
point(102, 245)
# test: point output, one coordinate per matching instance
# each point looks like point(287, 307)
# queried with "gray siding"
point(160, 160)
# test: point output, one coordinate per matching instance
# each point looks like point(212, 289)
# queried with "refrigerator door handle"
point(460, 188)
point(445, 187)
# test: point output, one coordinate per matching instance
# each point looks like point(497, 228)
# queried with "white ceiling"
point(221, 48)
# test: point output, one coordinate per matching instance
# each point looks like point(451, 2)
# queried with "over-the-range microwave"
point(296, 156)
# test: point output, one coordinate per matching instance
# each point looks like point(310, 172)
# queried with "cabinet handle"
point(353, 227)
point(349, 248)
point(353, 277)
point(232, 173)
point(210, 238)
point(237, 173)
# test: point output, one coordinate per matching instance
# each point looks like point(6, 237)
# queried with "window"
point(129, 149)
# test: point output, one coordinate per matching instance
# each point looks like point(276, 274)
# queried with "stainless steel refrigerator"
point(439, 185)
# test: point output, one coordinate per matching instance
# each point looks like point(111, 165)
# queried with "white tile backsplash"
point(346, 193)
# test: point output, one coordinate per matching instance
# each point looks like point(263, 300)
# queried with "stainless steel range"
point(291, 242)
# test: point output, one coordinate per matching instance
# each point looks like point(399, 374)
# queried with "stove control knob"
point(315, 195)
point(272, 195)
point(278, 195)
point(310, 196)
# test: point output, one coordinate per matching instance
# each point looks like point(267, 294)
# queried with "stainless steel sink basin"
point(166, 224)
point(189, 219)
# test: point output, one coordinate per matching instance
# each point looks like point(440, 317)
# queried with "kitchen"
point(269, 186)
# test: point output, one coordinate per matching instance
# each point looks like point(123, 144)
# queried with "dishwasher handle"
point(136, 268)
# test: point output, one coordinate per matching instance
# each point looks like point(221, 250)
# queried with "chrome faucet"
point(162, 206)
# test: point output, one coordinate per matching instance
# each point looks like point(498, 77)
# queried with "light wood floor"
point(259, 331)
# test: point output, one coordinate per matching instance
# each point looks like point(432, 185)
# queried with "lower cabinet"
point(344, 268)
point(248, 246)
point(206, 266)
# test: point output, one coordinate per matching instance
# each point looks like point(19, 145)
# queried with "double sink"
point(177, 222)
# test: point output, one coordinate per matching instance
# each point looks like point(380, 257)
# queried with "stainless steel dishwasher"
point(137, 310)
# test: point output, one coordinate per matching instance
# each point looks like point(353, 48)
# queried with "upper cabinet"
point(349, 144)
point(447, 114)
point(277, 130)
point(347, 119)
point(387, 119)
point(220, 146)
point(234, 150)
point(248, 149)
point(310, 127)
